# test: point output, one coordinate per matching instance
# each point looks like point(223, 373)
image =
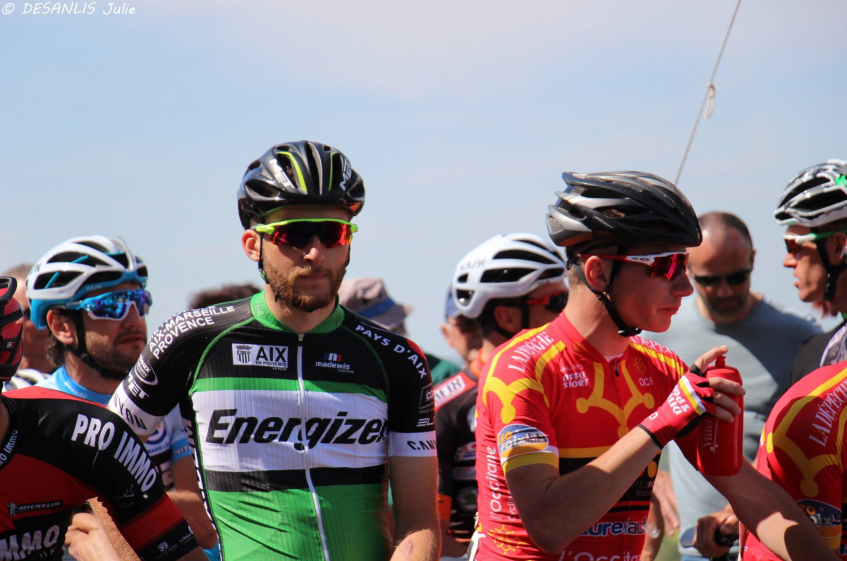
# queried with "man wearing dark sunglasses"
point(572, 416)
point(507, 284)
point(301, 411)
point(764, 340)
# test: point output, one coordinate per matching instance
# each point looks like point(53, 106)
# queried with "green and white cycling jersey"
point(291, 432)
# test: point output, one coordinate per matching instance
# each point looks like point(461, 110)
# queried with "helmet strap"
point(623, 329)
point(832, 271)
point(261, 264)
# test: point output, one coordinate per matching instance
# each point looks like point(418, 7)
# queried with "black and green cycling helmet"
point(302, 172)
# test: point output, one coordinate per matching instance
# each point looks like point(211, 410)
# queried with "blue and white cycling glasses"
point(115, 305)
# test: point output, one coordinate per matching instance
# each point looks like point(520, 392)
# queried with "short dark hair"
point(725, 220)
point(226, 293)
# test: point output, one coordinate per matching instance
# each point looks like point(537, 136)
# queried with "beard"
point(726, 306)
point(282, 284)
point(115, 364)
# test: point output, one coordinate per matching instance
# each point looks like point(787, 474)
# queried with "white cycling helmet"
point(815, 196)
point(75, 267)
point(506, 266)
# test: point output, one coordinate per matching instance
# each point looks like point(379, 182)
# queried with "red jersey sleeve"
point(518, 401)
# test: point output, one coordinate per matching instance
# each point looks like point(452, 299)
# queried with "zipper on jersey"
point(304, 444)
point(615, 366)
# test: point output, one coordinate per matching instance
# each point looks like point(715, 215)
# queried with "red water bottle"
point(719, 446)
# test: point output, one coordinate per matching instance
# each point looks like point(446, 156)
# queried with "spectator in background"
point(35, 364)
point(461, 333)
point(762, 338)
point(368, 297)
point(226, 293)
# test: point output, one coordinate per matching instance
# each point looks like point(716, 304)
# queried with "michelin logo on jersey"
point(245, 354)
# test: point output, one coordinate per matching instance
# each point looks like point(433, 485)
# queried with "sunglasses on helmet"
point(733, 279)
point(554, 302)
point(298, 232)
point(115, 305)
point(668, 265)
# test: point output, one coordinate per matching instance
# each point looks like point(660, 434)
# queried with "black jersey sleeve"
point(164, 371)
point(411, 407)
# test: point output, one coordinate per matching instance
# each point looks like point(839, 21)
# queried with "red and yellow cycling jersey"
point(801, 450)
point(547, 396)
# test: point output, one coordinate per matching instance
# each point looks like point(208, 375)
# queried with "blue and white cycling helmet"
point(69, 271)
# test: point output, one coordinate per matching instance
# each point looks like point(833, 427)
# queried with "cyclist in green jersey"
point(297, 410)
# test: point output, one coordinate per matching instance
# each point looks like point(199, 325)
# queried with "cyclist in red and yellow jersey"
point(802, 450)
point(563, 472)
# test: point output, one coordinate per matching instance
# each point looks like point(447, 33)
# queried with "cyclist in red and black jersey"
point(76, 450)
point(572, 416)
point(502, 303)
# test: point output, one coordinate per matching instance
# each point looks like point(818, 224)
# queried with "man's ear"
point(835, 248)
point(508, 318)
point(250, 243)
point(597, 272)
point(62, 327)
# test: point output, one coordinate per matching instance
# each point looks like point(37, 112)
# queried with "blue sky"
point(459, 116)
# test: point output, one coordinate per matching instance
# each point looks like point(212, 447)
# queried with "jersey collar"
point(264, 316)
point(579, 344)
point(64, 383)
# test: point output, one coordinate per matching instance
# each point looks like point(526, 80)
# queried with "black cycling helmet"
point(627, 208)
point(621, 208)
point(11, 330)
point(302, 172)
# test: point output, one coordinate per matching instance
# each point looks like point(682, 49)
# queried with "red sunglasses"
point(668, 265)
point(554, 302)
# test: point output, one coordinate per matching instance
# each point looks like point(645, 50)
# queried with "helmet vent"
point(75, 257)
point(59, 280)
point(142, 271)
point(284, 161)
point(261, 189)
point(523, 256)
point(505, 275)
point(822, 201)
point(121, 258)
point(535, 243)
point(464, 296)
point(463, 278)
point(94, 245)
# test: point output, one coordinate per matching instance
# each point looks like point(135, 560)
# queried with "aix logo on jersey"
point(333, 360)
point(244, 354)
point(226, 427)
